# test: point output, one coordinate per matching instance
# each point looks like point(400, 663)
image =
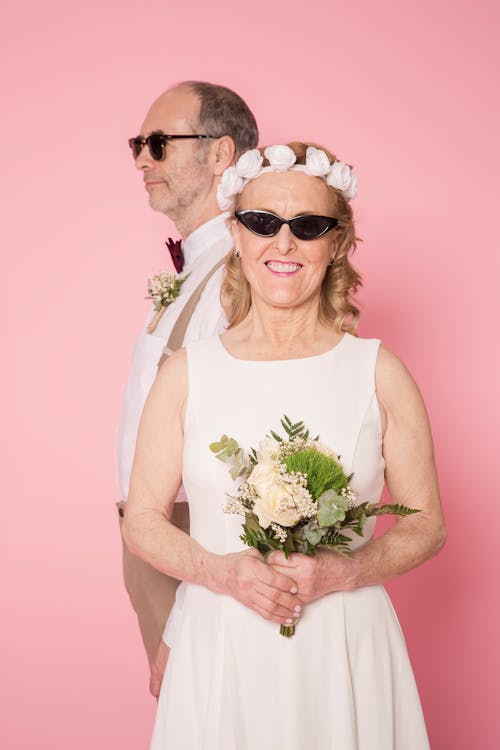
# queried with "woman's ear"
point(234, 227)
point(333, 248)
point(337, 237)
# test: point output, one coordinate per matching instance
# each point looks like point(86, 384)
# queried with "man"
point(191, 134)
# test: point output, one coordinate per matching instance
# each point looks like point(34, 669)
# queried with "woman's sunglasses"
point(156, 143)
point(304, 227)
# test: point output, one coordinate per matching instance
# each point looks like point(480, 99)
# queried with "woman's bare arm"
point(155, 481)
point(411, 479)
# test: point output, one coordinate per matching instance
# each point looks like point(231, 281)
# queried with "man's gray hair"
point(223, 112)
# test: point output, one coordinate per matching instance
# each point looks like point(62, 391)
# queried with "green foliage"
point(312, 533)
point(397, 510)
point(325, 481)
point(323, 472)
point(228, 450)
point(332, 508)
point(262, 539)
point(294, 430)
point(337, 541)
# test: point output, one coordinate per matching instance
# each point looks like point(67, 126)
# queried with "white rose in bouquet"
point(275, 502)
point(266, 449)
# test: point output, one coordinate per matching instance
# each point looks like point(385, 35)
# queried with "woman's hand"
point(315, 576)
point(254, 583)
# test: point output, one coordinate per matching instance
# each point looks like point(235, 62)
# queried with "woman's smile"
point(283, 269)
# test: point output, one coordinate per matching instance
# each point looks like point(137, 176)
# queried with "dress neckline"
point(312, 357)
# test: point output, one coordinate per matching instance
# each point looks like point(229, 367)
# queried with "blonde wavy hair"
point(341, 280)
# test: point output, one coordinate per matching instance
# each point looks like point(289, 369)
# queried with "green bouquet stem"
point(287, 630)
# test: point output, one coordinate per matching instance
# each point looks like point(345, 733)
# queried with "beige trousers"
point(151, 593)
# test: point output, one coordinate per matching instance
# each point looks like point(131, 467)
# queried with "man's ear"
point(224, 154)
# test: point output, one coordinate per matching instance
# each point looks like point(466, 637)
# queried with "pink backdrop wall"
point(408, 92)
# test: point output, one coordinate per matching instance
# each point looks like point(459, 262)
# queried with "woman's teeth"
point(283, 267)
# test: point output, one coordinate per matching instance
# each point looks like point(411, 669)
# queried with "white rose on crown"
point(317, 162)
point(352, 189)
point(249, 164)
point(231, 184)
point(339, 175)
point(280, 158)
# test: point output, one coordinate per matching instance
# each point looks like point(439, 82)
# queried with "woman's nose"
point(284, 241)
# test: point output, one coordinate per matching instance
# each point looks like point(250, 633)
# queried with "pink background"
point(408, 92)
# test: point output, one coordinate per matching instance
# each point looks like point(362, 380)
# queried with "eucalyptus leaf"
point(313, 536)
point(231, 447)
point(331, 516)
point(331, 508)
point(235, 472)
point(224, 456)
point(330, 497)
point(216, 447)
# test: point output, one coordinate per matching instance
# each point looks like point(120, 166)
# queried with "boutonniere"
point(163, 289)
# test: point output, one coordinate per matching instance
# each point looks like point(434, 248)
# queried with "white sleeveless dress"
point(344, 680)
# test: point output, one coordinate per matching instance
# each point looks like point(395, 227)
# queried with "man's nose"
point(144, 160)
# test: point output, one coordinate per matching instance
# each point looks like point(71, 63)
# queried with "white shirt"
point(202, 249)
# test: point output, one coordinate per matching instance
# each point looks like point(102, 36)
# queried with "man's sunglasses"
point(156, 143)
point(304, 227)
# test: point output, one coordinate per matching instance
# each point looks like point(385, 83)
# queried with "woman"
point(344, 680)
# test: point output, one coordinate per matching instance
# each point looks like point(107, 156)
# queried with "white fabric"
point(343, 681)
point(202, 250)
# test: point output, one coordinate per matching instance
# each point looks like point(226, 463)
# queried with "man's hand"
point(315, 576)
point(157, 669)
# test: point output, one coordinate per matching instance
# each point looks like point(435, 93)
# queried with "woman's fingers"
point(279, 609)
point(267, 592)
point(275, 579)
point(266, 615)
point(277, 557)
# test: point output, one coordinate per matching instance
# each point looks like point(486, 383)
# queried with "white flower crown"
point(281, 159)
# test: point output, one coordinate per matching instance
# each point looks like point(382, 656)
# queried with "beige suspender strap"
point(176, 338)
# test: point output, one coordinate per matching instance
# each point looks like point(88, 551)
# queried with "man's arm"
point(151, 593)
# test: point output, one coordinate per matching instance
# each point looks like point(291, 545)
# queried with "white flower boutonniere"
point(163, 289)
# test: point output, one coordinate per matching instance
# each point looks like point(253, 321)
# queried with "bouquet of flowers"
point(295, 495)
